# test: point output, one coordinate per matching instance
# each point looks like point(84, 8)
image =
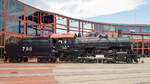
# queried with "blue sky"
point(140, 15)
point(109, 11)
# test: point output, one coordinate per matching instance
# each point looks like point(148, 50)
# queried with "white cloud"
point(85, 8)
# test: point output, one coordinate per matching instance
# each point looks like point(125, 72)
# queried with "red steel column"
point(127, 29)
point(40, 23)
point(140, 29)
point(115, 28)
point(1, 33)
point(149, 48)
point(4, 24)
point(103, 28)
point(68, 23)
point(132, 44)
point(24, 21)
point(79, 27)
point(142, 45)
point(54, 28)
point(137, 48)
point(92, 28)
point(82, 28)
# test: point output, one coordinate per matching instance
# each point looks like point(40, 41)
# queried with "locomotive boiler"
point(116, 48)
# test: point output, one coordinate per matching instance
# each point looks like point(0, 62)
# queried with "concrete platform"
point(26, 73)
point(103, 73)
point(69, 73)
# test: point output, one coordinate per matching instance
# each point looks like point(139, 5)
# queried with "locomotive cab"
point(64, 44)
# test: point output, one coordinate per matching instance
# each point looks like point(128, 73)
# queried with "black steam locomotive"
point(72, 48)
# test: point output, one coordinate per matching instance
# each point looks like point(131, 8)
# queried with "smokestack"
point(119, 33)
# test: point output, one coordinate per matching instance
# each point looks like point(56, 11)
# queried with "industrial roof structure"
point(19, 20)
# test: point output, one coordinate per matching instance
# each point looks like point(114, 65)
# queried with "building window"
point(19, 11)
point(123, 29)
point(50, 29)
point(1, 39)
point(30, 29)
point(7, 38)
point(38, 32)
point(109, 28)
point(145, 44)
point(146, 52)
point(7, 24)
point(12, 25)
point(45, 33)
point(7, 6)
point(30, 14)
point(19, 27)
point(98, 27)
point(35, 30)
point(140, 51)
point(145, 29)
point(12, 8)
point(1, 23)
point(22, 27)
point(139, 44)
point(146, 37)
point(137, 37)
point(1, 6)
point(134, 29)
point(134, 44)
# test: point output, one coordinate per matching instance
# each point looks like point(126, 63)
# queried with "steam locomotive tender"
point(70, 48)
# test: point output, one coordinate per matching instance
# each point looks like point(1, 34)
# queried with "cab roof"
point(65, 35)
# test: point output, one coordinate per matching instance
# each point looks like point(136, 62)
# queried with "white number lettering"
point(26, 49)
point(30, 49)
point(23, 49)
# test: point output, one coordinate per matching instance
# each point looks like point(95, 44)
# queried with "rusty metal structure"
point(19, 20)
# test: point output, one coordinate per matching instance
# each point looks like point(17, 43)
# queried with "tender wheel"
point(6, 59)
point(25, 60)
point(39, 60)
point(10, 60)
point(14, 60)
point(43, 60)
point(19, 59)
